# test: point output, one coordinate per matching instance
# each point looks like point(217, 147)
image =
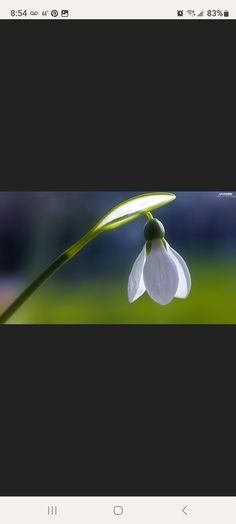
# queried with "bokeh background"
point(92, 288)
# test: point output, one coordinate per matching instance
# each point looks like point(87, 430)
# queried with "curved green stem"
point(149, 215)
point(47, 273)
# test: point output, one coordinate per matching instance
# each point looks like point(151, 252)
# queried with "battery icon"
point(226, 13)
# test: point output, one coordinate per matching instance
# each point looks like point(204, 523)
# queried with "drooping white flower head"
point(159, 269)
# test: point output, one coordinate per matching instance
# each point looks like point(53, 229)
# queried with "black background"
point(111, 410)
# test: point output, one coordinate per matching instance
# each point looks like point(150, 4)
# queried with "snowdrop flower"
point(159, 269)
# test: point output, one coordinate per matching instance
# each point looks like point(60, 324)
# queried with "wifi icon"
point(191, 12)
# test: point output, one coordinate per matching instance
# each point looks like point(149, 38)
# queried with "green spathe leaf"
point(133, 208)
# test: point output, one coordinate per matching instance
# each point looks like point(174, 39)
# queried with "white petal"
point(160, 274)
point(184, 286)
point(136, 285)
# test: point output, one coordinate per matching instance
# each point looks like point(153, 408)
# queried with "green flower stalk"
point(118, 216)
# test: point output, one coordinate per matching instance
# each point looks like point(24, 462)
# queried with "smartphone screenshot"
point(117, 262)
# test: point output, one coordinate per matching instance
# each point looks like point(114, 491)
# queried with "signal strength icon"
point(201, 13)
point(191, 12)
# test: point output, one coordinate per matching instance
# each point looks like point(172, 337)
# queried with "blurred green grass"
point(212, 301)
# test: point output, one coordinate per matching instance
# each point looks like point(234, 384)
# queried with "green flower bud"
point(154, 229)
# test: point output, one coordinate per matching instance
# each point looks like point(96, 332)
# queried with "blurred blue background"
point(37, 226)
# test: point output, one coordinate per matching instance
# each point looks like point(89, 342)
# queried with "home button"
point(118, 510)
